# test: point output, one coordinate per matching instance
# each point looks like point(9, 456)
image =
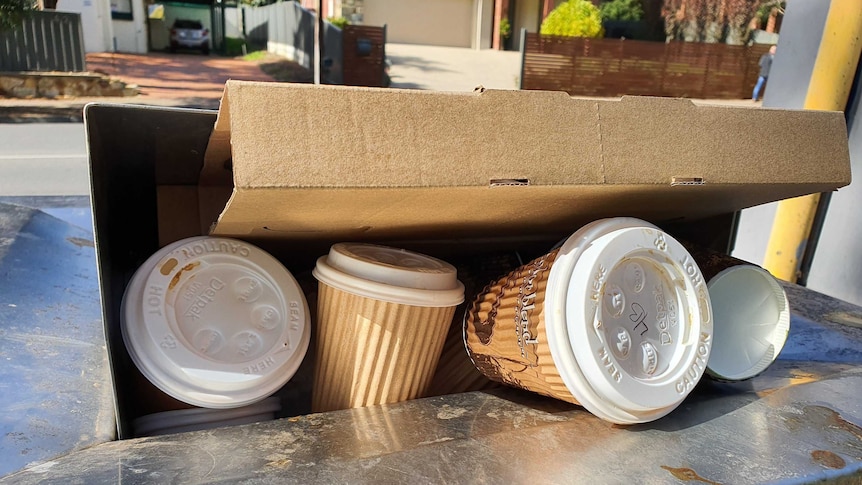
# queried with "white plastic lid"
point(390, 274)
point(215, 322)
point(628, 319)
point(202, 418)
point(752, 319)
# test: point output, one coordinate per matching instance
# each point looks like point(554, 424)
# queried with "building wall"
point(527, 15)
point(95, 22)
point(131, 35)
point(438, 22)
point(483, 24)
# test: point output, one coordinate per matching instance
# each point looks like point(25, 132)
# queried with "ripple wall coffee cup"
point(383, 314)
point(617, 320)
point(215, 322)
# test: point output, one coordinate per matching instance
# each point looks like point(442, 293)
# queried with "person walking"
point(765, 66)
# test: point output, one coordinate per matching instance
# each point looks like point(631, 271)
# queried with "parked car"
point(190, 34)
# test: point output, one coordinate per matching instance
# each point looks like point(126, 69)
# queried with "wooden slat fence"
point(45, 41)
point(614, 67)
point(364, 53)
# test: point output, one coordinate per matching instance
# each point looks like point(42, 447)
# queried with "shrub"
point(505, 28)
point(574, 18)
point(628, 10)
point(339, 22)
point(233, 46)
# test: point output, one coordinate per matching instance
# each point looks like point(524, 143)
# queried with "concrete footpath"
point(196, 81)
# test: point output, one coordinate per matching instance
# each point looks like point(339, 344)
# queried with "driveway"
point(179, 79)
point(451, 68)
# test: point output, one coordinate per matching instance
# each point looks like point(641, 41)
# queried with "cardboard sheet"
point(306, 162)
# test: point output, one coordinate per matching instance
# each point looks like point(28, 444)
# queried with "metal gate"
point(45, 41)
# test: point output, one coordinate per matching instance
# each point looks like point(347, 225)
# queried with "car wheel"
point(205, 50)
point(173, 49)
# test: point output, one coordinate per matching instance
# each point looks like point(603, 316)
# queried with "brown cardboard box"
point(351, 163)
point(295, 168)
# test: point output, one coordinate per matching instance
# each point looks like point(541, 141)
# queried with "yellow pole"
point(828, 89)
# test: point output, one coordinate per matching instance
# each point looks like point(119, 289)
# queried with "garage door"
point(430, 22)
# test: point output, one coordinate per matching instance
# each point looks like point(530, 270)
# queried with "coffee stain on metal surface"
point(820, 417)
point(828, 459)
point(169, 266)
point(798, 376)
point(449, 412)
point(834, 420)
point(845, 318)
point(81, 242)
point(688, 475)
point(176, 279)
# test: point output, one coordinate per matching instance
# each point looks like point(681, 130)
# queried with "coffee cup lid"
point(182, 420)
point(628, 319)
point(752, 320)
point(390, 274)
point(215, 322)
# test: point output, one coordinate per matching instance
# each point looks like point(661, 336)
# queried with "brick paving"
point(175, 76)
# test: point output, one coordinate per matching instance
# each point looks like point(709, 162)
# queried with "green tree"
point(13, 12)
point(627, 10)
point(574, 18)
point(710, 20)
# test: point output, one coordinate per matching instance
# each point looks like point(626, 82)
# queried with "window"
point(121, 9)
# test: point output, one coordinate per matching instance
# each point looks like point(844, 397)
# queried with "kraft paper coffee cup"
point(382, 317)
point(751, 313)
point(215, 322)
point(455, 372)
point(617, 320)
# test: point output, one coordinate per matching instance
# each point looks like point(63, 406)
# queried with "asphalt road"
point(43, 159)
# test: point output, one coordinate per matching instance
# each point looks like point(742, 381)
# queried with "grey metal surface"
point(800, 422)
point(24, 49)
point(55, 387)
point(797, 424)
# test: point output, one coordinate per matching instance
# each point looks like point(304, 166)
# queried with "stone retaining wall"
point(53, 85)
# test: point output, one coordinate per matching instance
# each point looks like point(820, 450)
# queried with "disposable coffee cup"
point(196, 419)
point(617, 320)
point(455, 372)
point(215, 322)
point(751, 313)
point(383, 314)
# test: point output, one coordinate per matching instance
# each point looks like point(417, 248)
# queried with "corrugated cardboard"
point(336, 163)
point(296, 168)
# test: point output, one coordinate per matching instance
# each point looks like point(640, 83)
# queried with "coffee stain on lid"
point(176, 279)
point(169, 266)
point(688, 475)
point(828, 459)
